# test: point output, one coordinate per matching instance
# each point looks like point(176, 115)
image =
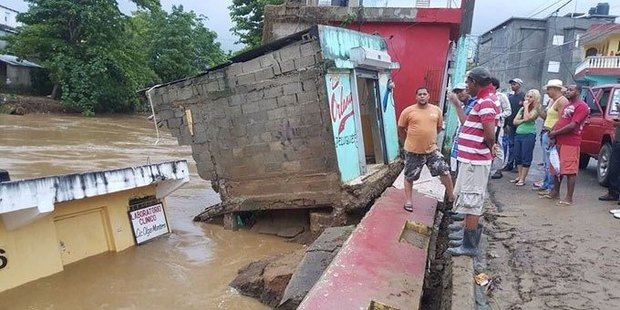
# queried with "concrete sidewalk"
point(384, 261)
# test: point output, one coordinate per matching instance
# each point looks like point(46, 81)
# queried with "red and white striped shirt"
point(472, 148)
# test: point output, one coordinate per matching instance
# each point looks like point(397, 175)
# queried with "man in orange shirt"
point(418, 125)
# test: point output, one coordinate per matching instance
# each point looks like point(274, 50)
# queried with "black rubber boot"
point(456, 235)
point(469, 246)
point(457, 216)
point(455, 243)
point(455, 226)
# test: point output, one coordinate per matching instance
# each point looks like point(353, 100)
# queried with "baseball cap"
point(516, 80)
point(479, 74)
point(460, 86)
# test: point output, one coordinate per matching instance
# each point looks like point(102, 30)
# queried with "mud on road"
point(546, 256)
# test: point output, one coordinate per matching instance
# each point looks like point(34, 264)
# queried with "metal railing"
point(599, 62)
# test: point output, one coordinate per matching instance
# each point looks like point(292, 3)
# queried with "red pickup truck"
point(598, 131)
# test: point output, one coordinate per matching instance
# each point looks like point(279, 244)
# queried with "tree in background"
point(99, 58)
point(248, 18)
point(177, 43)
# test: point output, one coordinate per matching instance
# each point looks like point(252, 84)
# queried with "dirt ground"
point(545, 256)
point(20, 105)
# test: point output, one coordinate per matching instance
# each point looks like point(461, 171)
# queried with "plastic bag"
point(554, 158)
point(498, 160)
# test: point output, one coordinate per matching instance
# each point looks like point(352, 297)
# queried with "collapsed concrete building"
point(305, 122)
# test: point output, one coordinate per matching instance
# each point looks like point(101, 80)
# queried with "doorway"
point(371, 118)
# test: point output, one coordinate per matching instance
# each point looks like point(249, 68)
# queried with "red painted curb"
point(373, 264)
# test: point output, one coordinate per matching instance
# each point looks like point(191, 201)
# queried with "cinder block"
point(251, 65)
point(265, 74)
point(212, 86)
point(287, 100)
point(268, 104)
point(308, 97)
point(246, 79)
point(250, 107)
point(273, 92)
point(287, 66)
point(175, 122)
point(319, 221)
point(305, 62)
point(237, 100)
point(292, 88)
point(290, 52)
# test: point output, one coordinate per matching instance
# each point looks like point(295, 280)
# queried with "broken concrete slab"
point(317, 257)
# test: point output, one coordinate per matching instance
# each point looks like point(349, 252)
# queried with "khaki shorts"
point(471, 187)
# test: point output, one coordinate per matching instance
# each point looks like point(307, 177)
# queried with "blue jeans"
point(509, 146)
point(544, 141)
point(524, 149)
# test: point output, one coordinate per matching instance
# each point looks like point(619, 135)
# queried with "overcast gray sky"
point(488, 13)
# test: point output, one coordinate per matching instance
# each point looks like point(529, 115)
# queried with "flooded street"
point(187, 269)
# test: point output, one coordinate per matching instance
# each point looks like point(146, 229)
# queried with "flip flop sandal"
point(520, 183)
point(564, 204)
point(548, 196)
point(617, 215)
point(612, 211)
point(408, 207)
point(543, 193)
point(514, 181)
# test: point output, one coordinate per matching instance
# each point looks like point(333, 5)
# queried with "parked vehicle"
point(598, 131)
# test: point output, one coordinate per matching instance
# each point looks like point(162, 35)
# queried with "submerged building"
point(47, 223)
point(304, 122)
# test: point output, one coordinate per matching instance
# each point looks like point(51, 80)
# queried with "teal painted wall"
point(337, 42)
point(343, 124)
point(389, 117)
point(451, 120)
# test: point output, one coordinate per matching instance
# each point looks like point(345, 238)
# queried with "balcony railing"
point(599, 62)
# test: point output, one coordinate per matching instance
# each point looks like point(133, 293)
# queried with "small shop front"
point(51, 222)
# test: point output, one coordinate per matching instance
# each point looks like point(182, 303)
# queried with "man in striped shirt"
point(476, 148)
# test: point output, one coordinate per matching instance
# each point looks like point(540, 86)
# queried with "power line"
point(549, 7)
point(526, 37)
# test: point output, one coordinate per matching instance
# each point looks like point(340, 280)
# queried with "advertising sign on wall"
point(343, 124)
point(148, 223)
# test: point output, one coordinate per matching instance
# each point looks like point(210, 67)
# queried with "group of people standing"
point(564, 116)
point(484, 113)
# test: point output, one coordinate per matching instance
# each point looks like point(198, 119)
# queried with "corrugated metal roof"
point(16, 61)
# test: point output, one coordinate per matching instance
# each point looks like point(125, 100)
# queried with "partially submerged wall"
point(260, 129)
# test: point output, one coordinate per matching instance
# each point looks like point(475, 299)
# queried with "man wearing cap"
point(551, 116)
point(463, 103)
point(516, 101)
point(566, 135)
point(476, 148)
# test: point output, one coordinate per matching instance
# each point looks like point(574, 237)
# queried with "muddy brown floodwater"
point(187, 269)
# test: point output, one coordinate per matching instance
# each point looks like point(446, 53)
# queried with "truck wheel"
point(584, 160)
point(603, 164)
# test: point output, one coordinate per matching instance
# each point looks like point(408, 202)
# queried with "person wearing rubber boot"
point(613, 193)
point(418, 125)
point(566, 135)
point(476, 150)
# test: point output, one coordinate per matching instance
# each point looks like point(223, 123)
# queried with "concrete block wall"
point(261, 128)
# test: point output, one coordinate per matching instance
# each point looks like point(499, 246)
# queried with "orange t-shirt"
point(422, 124)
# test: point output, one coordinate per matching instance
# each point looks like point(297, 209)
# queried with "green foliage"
point(100, 58)
point(248, 18)
point(178, 43)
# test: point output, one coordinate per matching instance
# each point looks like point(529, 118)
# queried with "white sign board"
point(554, 67)
point(148, 223)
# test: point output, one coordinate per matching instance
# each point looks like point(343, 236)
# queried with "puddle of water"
point(188, 269)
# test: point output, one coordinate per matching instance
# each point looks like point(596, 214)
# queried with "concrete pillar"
point(230, 221)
